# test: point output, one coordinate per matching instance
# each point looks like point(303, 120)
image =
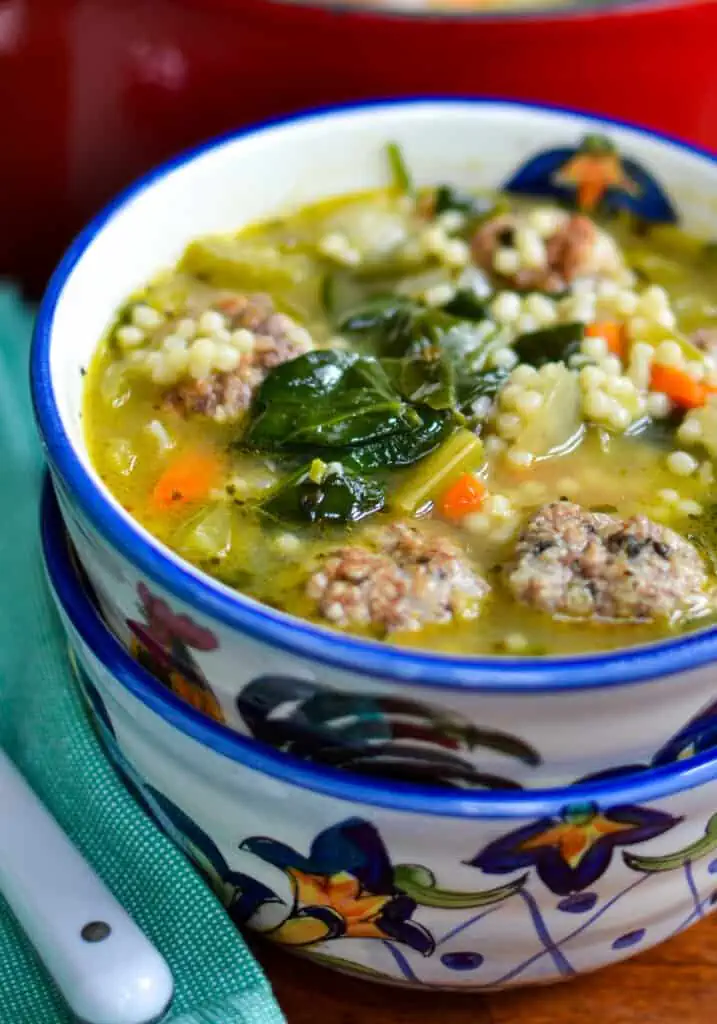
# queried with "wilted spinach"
point(326, 399)
point(466, 305)
point(392, 323)
point(425, 377)
point(480, 385)
point(657, 433)
point(341, 497)
point(402, 448)
point(475, 207)
point(550, 345)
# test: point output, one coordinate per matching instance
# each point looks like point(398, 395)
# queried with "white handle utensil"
point(105, 967)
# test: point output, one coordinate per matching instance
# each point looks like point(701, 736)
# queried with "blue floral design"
point(344, 888)
point(593, 174)
point(573, 850)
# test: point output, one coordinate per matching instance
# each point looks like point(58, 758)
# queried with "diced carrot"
point(189, 478)
point(462, 497)
point(612, 332)
point(684, 390)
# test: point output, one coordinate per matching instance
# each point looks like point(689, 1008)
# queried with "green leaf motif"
point(501, 743)
point(419, 883)
point(689, 854)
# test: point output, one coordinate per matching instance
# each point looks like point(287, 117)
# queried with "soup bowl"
point(400, 883)
point(483, 721)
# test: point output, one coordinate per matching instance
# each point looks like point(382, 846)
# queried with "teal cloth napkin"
point(44, 729)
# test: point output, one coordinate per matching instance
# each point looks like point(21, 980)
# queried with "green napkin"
point(44, 729)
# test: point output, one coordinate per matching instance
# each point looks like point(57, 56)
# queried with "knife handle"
point(104, 966)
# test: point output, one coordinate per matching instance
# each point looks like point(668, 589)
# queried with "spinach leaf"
point(341, 497)
point(658, 433)
point(466, 305)
point(550, 345)
point(480, 385)
point(426, 376)
point(327, 399)
point(402, 448)
point(390, 321)
point(473, 206)
point(400, 326)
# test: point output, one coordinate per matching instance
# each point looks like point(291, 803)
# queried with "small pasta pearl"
point(519, 459)
point(506, 307)
point(659, 405)
point(129, 336)
point(211, 321)
point(669, 353)
point(690, 430)
point(506, 261)
point(681, 463)
point(146, 317)
point(529, 402)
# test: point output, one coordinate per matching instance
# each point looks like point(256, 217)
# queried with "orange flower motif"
point(595, 168)
point(344, 888)
point(574, 839)
point(573, 849)
point(341, 895)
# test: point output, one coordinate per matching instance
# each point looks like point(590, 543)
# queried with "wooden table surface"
point(676, 983)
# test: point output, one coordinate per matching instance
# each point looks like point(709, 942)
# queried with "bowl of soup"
point(385, 436)
point(396, 883)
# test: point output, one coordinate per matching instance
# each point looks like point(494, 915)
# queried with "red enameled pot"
point(96, 91)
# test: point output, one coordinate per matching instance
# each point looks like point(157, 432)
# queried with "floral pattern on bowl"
point(594, 176)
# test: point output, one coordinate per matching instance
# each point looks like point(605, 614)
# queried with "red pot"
point(103, 89)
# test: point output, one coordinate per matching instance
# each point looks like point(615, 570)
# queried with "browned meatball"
point(577, 564)
point(276, 339)
point(408, 579)
point(706, 339)
point(575, 249)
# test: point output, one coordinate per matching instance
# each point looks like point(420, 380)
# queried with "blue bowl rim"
point(633, 788)
point(316, 643)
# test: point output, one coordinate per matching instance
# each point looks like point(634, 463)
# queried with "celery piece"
point(656, 268)
point(460, 453)
point(676, 241)
point(654, 334)
point(230, 263)
point(555, 427)
point(207, 535)
point(707, 419)
point(400, 174)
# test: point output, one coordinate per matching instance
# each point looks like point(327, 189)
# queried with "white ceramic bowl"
point(397, 883)
point(496, 721)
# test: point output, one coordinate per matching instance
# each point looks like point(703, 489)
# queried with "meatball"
point(577, 564)
point(408, 579)
point(274, 338)
point(576, 248)
point(706, 339)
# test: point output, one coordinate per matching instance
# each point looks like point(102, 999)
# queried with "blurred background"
point(94, 92)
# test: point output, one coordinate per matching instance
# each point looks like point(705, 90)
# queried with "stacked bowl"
point(367, 805)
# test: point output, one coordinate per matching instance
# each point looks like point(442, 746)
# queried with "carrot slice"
point(189, 478)
point(612, 332)
point(684, 390)
point(462, 497)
